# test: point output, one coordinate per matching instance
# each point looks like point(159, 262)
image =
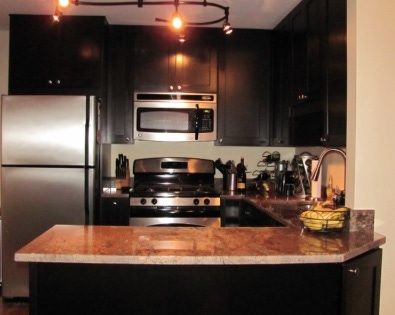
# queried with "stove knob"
point(196, 201)
point(206, 201)
point(154, 201)
point(143, 201)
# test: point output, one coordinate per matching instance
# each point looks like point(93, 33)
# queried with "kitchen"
point(373, 110)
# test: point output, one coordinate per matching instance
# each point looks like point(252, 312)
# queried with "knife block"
point(123, 182)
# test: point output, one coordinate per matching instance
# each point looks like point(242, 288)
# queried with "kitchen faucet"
point(316, 172)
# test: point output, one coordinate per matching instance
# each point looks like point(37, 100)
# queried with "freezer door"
point(33, 200)
point(48, 130)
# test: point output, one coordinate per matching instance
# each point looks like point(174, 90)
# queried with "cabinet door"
point(80, 63)
point(33, 43)
point(196, 61)
point(282, 98)
point(336, 123)
point(308, 26)
point(361, 284)
point(118, 114)
point(56, 58)
point(114, 211)
point(308, 77)
point(298, 24)
point(152, 59)
point(319, 76)
point(162, 63)
point(244, 90)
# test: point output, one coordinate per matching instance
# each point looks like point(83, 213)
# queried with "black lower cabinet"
point(203, 289)
point(236, 212)
point(114, 211)
point(361, 284)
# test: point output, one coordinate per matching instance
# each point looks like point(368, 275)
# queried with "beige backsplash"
point(142, 149)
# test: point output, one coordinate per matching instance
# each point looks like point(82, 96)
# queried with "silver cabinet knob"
point(354, 271)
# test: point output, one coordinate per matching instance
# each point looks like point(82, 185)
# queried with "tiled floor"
point(13, 307)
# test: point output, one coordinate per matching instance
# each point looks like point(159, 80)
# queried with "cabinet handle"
point(114, 203)
point(127, 139)
point(50, 82)
point(179, 88)
point(323, 139)
point(354, 271)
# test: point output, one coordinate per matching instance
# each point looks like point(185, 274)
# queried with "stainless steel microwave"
point(175, 117)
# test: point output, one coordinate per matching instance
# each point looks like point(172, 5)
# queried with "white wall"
point(371, 113)
point(208, 150)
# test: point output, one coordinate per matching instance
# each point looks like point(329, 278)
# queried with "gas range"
point(176, 190)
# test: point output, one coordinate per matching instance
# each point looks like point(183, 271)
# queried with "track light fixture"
point(176, 19)
point(57, 15)
point(227, 28)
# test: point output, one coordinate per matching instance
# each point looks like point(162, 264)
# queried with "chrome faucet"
point(316, 172)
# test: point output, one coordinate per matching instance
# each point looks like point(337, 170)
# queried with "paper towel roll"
point(315, 185)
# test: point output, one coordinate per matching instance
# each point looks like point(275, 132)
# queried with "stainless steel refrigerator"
point(49, 173)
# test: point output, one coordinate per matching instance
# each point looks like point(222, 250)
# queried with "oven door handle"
point(197, 119)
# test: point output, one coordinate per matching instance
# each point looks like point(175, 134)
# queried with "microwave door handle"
point(197, 122)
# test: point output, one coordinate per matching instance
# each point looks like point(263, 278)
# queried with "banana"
point(321, 218)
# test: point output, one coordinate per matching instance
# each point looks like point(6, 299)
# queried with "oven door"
point(175, 216)
point(175, 221)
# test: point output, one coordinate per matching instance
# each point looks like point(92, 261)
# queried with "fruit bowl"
point(322, 219)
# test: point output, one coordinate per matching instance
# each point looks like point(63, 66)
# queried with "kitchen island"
point(140, 270)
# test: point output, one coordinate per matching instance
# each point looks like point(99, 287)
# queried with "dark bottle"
point(241, 176)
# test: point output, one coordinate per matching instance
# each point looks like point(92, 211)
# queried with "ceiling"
point(261, 14)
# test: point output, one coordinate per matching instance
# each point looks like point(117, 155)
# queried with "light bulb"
point(227, 28)
point(64, 3)
point(177, 21)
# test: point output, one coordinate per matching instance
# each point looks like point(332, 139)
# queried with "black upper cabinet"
point(118, 117)
point(280, 109)
point(244, 88)
point(308, 27)
point(336, 123)
point(56, 58)
point(162, 63)
point(314, 91)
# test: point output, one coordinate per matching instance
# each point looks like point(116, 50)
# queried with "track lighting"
point(64, 3)
point(176, 20)
point(227, 28)
point(57, 15)
point(181, 38)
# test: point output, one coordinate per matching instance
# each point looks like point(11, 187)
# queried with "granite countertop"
point(195, 245)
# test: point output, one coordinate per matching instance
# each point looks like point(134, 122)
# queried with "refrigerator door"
point(35, 199)
point(48, 130)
